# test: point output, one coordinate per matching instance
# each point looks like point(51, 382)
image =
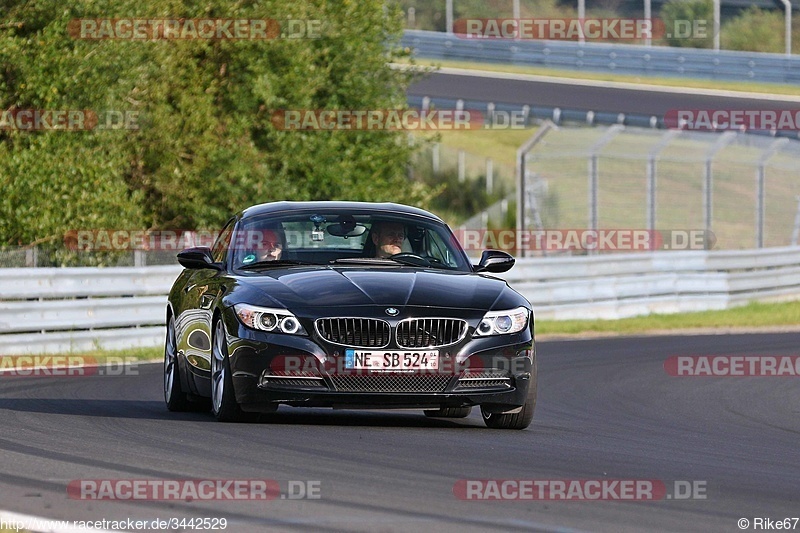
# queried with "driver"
point(388, 238)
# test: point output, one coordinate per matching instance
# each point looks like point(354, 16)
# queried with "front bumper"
point(494, 372)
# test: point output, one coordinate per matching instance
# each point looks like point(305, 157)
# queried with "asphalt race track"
point(571, 95)
point(607, 410)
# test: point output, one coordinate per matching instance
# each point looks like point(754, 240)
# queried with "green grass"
point(749, 316)
point(139, 354)
point(745, 86)
point(500, 145)
point(107, 356)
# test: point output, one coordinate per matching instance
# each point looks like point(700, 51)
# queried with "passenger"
point(271, 246)
point(268, 245)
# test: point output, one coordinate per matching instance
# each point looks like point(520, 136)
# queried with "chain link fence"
point(742, 188)
point(436, 159)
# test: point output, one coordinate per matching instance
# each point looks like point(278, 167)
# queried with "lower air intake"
point(391, 383)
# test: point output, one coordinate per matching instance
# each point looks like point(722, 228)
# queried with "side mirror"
point(495, 261)
point(198, 257)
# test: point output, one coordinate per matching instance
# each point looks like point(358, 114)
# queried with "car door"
point(200, 292)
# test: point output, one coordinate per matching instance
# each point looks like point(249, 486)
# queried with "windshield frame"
point(442, 230)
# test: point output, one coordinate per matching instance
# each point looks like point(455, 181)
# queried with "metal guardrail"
point(82, 282)
point(53, 310)
point(555, 114)
point(60, 310)
point(623, 285)
point(609, 58)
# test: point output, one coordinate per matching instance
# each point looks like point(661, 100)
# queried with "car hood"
point(390, 286)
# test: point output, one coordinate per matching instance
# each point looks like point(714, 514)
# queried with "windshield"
point(344, 238)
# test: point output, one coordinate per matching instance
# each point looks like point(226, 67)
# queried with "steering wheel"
point(417, 258)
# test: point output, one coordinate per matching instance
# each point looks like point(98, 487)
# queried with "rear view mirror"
point(346, 229)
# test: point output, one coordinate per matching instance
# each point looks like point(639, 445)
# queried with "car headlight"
point(502, 322)
point(269, 319)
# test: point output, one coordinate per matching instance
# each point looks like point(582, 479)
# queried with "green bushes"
point(454, 200)
point(677, 12)
point(206, 145)
point(750, 30)
point(758, 31)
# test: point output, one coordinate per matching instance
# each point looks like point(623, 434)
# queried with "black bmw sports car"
point(347, 305)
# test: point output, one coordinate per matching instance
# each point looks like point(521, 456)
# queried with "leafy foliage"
point(758, 31)
point(675, 13)
point(206, 146)
point(431, 15)
point(452, 199)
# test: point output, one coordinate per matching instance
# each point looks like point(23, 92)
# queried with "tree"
point(681, 16)
point(756, 30)
point(205, 146)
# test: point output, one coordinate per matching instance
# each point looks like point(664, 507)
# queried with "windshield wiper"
point(403, 260)
point(361, 260)
point(277, 263)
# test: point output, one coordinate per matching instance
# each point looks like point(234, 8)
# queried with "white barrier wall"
point(55, 310)
point(59, 310)
point(623, 285)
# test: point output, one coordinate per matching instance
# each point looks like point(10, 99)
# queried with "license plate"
point(389, 360)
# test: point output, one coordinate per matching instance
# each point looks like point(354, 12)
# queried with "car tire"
point(448, 412)
point(519, 420)
point(223, 398)
point(174, 396)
